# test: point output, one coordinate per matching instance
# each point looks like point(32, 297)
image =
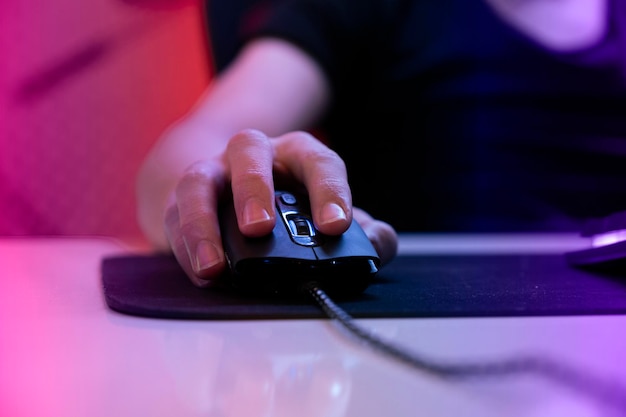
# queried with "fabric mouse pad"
point(410, 286)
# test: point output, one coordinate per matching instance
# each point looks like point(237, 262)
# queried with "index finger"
point(250, 159)
point(324, 175)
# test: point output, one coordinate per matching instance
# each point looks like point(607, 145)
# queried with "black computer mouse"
point(296, 253)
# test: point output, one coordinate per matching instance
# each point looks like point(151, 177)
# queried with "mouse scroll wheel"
point(301, 226)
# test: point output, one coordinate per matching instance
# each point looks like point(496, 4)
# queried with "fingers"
point(249, 167)
point(250, 160)
point(323, 173)
point(179, 248)
point(295, 157)
point(383, 237)
point(192, 225)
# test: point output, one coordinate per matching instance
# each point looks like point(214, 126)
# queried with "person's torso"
point(469, 123)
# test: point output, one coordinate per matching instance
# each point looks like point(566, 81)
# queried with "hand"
point(250, 166)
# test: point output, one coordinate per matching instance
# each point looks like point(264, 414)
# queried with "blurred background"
point(85, 89)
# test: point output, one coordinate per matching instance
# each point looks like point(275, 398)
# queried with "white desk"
point(63, 353)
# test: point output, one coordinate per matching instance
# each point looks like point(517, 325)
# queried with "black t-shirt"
point(450, 120)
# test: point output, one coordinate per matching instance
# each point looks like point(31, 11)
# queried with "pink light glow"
point(85, 89)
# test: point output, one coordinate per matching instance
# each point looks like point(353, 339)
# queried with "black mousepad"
point(410, 286)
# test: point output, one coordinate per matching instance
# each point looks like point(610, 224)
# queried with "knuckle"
point(196, 226)
point(192, 226)
point(193, 214)
point(253, 172)
point(195, 173)
point(198, 169)
point(308, 148)
point(246, 137)
point(323, 157)
point(300, 137)
point(200, 173)
point(333, 185)
point(249, 133)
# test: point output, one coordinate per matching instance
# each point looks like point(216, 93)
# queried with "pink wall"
point(85, 88)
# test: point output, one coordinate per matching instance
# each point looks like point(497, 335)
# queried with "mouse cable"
point(606, 391)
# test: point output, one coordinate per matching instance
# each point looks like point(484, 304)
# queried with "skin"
point(561, 25)
point(247, 133)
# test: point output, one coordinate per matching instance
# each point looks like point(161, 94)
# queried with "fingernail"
point(254, 213)
point(206, 256)
point(331, 213)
